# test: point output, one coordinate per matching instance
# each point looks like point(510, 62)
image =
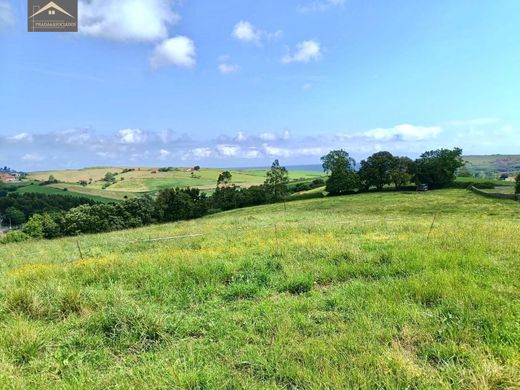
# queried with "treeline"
point(435, 168)
point(16, 209)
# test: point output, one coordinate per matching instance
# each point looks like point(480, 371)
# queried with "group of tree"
point(436, 168)
point(16, 208)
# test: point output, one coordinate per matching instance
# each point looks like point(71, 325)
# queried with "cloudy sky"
point(241, 82)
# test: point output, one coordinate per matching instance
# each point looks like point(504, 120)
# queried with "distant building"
point(8, 178)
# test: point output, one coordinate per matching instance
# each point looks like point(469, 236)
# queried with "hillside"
point(151, 179)
point(493, 165)
point(350, 292)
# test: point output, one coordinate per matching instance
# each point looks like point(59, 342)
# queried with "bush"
point(517, 186)
point(13, 236)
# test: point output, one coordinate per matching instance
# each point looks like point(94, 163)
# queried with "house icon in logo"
point(54, 15)
point(51, 8)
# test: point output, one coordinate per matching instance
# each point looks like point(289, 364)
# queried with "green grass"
point(347, 292)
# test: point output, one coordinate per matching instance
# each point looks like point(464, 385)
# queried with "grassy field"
point(350, 292)
point(150, 179)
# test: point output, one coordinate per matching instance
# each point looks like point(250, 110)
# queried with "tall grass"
point(347, 292)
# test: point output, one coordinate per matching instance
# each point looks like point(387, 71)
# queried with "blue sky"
point(239, 83)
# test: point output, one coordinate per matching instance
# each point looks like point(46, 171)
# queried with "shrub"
point(14, 236)
point(517, 186)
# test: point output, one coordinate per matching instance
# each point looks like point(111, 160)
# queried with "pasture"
point(389, 290)
point(143, 180)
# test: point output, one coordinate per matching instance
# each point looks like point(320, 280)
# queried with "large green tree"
point(376, 170)
point(517, 186)
point(340, 167)
point(337, 160)
point(403, 171)
point(437, 167)
point(276, 181)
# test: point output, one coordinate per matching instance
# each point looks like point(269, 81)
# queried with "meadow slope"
point(349, 292)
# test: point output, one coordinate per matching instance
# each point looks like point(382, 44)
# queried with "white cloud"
point(252, 153)
point(306, 51)
point(201, 152)
point(22, 137)
point(179, 51)
point(73, 136)
point(228, 150)
point(320, 6)
point(240, 137)
point(227, 68)
point(126, 20)
point(132, 136)
point(404, 132)
point(32, 157)
point(246, 32)
point(164, 154)
point(7, 17)
point(267, 136)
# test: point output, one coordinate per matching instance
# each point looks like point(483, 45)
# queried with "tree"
point(51, 180)
point(402, 173)
point(109, 178)
point(41, 226)
point(14, 216)
point(342, 177)
point(376, 170)
point(517, 186)
point(276, 181)
point(437, 167)
point(196, 168)
point(337, 160)
point(224, 178)
point(342, 182)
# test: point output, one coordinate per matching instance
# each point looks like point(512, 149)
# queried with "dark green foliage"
point(517, 186)
point(342, 182)
point(178, 204)
point(224, 178)
point(437, 167)
point(14, 216)
point(337, 160)
point(342, 177)
point(33, 203)
point(376, 170)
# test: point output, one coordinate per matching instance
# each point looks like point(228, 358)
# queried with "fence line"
point(497, 195)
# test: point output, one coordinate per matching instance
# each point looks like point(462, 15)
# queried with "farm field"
point(358, 291)
point(150, 179)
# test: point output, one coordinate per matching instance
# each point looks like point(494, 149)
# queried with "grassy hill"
point(493, 165)
point(150, 179)
point(350, 292)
